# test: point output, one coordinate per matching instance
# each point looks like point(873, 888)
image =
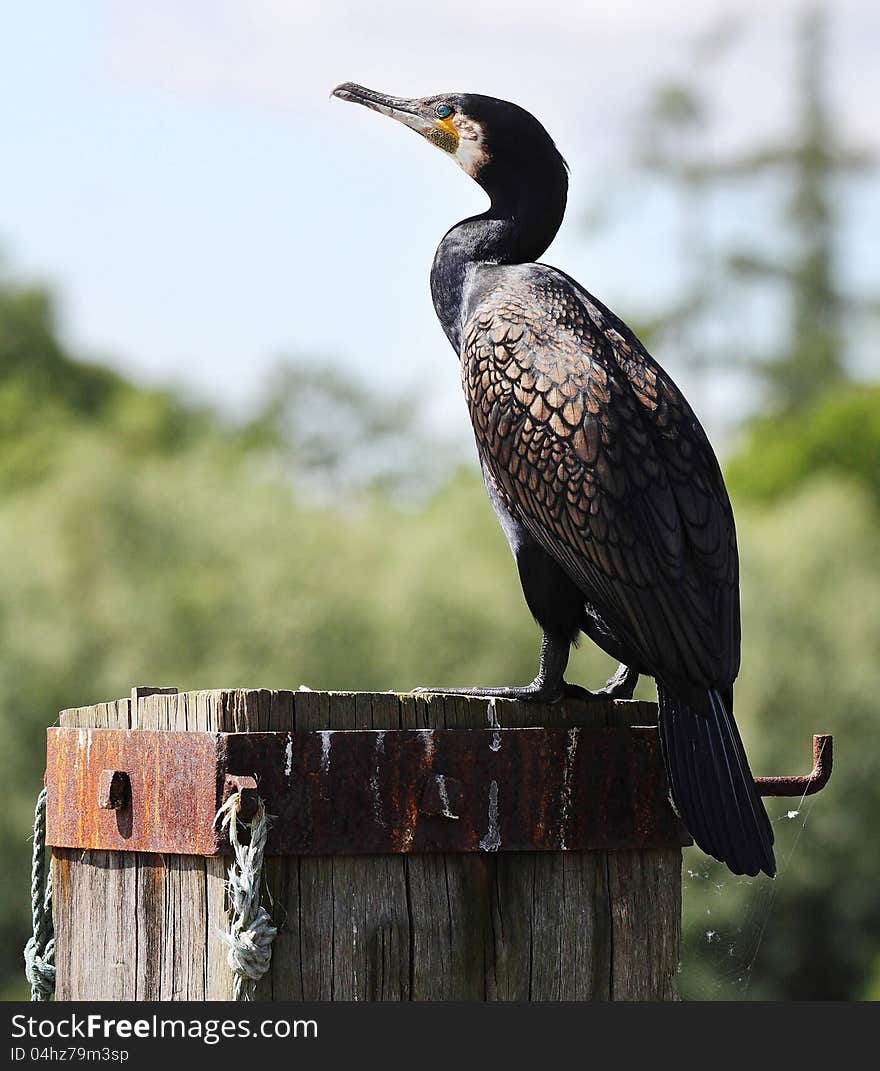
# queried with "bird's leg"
point(621, 684)
point(549, 686)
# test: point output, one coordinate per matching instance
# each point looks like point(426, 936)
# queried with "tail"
point(711, 785)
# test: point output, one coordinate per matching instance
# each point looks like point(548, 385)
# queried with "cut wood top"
point(267, 710)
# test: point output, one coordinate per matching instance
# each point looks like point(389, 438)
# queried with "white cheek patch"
point(471, 153)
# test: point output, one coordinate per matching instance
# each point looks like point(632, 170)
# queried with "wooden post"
point(575, 925)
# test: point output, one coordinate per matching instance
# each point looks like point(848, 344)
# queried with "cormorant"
point(600, 474)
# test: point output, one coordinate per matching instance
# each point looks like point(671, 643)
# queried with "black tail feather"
point(711, 784)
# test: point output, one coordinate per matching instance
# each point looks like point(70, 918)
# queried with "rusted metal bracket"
point(360, 791)
point(805, 784)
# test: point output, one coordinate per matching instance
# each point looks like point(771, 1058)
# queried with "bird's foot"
point(536, 692)
point(620, 685)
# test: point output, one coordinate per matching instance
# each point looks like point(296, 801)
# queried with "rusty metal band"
point(363, 791)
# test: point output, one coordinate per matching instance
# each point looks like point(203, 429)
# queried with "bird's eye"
point(443, 111)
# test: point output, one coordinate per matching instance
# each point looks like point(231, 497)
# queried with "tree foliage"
point(811, 354)
point(838, 436)
point(811, 627)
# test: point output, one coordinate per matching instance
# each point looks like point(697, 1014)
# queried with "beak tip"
point(342, 91)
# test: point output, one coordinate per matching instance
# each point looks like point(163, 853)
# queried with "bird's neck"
point(518, 227)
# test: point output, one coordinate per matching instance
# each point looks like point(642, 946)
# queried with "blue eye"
point(443, 111)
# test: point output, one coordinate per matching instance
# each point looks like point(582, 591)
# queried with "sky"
point(179, 173)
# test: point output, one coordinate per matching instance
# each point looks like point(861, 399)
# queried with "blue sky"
point(178, 171)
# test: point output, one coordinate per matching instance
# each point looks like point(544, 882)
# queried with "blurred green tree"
point(810, 595)
point(838, 435)
point(811, 356)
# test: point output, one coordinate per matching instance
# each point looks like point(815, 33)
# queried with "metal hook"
point(803, 785)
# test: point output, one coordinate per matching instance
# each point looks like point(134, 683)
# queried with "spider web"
point(731, 914)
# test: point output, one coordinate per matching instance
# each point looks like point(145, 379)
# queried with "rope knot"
point(40, 969)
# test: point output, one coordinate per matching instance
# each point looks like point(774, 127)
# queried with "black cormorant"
point(603, 480)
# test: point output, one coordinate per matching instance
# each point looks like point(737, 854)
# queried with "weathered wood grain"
point(94, 900)
point(645, 892)
point(494, 926)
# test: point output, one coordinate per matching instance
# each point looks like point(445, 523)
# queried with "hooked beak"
point(399, 108)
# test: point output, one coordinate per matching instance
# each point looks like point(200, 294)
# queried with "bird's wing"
point(596, 452)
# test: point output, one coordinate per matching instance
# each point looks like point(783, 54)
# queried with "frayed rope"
point(251, 931)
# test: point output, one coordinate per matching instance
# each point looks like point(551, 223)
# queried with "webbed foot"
point(536, 692)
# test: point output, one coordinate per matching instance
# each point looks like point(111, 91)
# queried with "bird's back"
point(595, 450)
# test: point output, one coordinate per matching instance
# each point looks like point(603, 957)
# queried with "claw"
point(621, 685)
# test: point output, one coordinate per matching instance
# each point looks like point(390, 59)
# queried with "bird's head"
point(493, 140)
